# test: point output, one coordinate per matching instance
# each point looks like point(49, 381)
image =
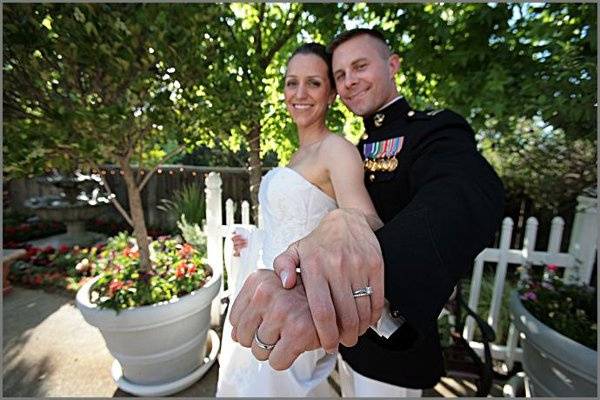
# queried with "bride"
point(325, 172)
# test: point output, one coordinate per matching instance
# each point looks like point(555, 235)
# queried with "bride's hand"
point(238, 244)
point(340, 256)
point(278, 316)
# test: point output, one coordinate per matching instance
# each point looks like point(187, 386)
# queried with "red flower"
point(9, 230)
point(131, 254)
point(113, 287)
point(32, 252)
point(37, 280)
point(552, 267)
point(63, 249)
point(191, 269)
point(186, 250)
point(48, 250)
point(180, 271)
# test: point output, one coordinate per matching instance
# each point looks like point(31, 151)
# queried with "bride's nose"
point(301, 91)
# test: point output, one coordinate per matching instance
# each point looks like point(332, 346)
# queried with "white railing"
point(578, 261)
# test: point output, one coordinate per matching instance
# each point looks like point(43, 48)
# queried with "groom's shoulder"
point(429, 121)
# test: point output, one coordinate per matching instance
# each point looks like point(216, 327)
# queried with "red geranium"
point(113, 287)
point(181, 269)
point(63, 249)
point(186, 250)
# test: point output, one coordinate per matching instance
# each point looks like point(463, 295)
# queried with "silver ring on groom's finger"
point(262, 344)
point(366, 291)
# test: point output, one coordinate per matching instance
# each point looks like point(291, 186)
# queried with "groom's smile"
point(364, 74)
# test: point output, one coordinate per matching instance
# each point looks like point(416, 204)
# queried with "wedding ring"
point(262, 344)
point(366, 291)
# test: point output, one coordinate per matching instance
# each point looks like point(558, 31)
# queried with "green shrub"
point(188, 201)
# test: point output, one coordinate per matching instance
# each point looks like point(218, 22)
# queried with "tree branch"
point(258, 33)
point(113, 197)
point(266, 60)
point(165, 158)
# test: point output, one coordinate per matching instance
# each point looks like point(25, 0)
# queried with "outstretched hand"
point(278, 316)
point(339, 257)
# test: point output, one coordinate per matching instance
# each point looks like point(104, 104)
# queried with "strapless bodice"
point(291, 208)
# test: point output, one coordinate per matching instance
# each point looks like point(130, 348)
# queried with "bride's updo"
point(320, 51)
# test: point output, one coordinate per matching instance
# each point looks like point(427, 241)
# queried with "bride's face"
point(307, 90)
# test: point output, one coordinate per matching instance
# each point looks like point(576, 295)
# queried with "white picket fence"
point(578, 261)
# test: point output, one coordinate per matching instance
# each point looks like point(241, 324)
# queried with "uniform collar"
point(397, 109)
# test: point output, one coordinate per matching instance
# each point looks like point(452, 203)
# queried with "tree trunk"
point(137, 216)
point(254, 169)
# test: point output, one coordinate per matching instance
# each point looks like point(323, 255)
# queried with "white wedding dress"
point(291, 208)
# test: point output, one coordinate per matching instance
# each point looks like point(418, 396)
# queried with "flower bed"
point(16, 234)
point(51, 267)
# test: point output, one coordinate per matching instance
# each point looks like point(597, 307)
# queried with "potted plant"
point(154, 323)
point(558, 330)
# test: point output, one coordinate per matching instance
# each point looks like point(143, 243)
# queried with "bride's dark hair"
point(320, 51)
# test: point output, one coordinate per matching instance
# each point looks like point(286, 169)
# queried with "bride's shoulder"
point(335, 141)
point(337, 148)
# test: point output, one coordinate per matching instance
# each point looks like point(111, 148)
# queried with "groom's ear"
point(394, 62)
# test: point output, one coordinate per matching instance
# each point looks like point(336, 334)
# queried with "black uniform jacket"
point(440, 207)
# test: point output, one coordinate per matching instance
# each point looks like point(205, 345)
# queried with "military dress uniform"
point(441, 204)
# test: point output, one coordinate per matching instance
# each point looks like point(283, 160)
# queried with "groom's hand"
point(340, 256)
point(278, 316)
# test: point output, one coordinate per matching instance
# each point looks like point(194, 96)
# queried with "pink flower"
point(531, 296)
point(114, 286)
point(552, 267)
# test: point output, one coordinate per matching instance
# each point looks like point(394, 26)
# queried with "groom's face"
point(364, 74)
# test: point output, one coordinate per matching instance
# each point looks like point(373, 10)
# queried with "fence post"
point(528, 248)
point(214, 239)
point(584, 240)
point(245, 212)
point(507, 228)
point(229, 212)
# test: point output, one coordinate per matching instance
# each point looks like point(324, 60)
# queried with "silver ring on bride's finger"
point(366, 291)
point(262, 344)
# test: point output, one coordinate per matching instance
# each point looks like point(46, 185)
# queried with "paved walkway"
point(50, 351)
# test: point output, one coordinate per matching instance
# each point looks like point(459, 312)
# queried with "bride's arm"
point(346, 172)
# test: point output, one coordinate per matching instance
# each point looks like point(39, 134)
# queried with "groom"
point(441, 204)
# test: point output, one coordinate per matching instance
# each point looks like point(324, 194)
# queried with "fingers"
point(268, 334)
point(285, 352)
point(238, 243)
point(376, 281)
point(285, 266)
point(243, 299)
point(346, 314)
point(363, 306)
point(322, 311)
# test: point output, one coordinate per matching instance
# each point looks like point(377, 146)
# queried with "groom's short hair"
point(352, 33)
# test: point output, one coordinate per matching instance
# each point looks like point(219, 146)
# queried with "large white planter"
point(555, 366)
point(159, 348)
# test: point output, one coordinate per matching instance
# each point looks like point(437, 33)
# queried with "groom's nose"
point(350, 79)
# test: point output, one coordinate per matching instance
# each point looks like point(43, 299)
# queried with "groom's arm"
point(432, 242)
